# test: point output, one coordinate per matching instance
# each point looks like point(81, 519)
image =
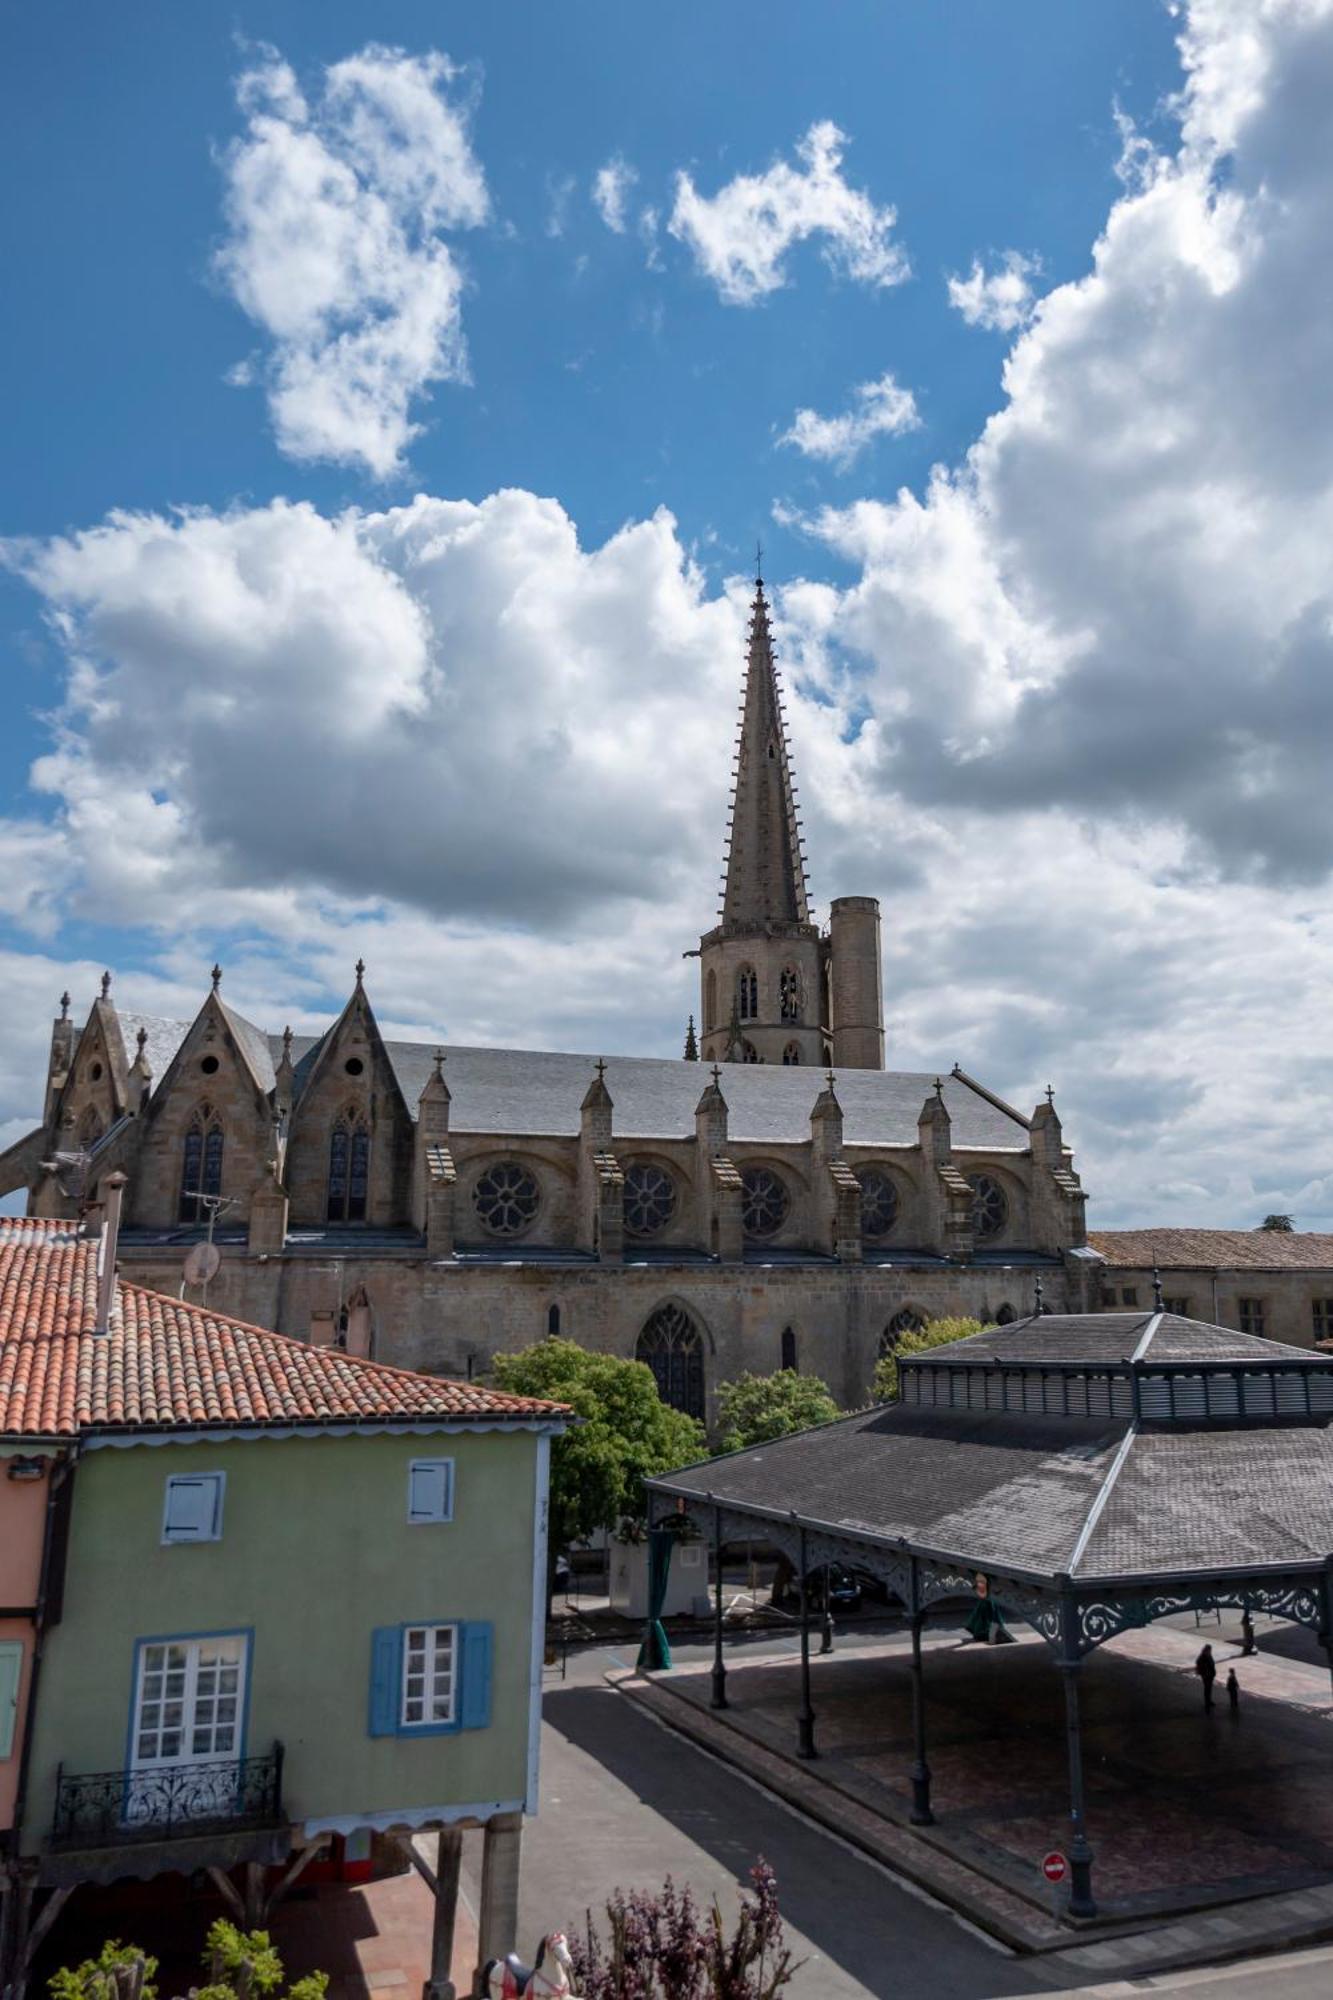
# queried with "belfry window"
point(747, 993)
point(673, 1348)
point(201, 1163)
point(789, 993)
point(349, 1170)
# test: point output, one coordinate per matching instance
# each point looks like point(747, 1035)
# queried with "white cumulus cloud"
point(612, 185)
point(1001, 299)
point(740, 236)
point(335, 204)
point(879, 409)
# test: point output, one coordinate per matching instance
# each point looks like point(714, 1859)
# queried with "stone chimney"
point(108, 1247)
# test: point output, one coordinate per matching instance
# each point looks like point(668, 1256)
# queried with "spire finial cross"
point(64, 1005)
point(601, 1069)
point(717, 1074)
point(360, 969)
point(216, 975)
point(141, 1038)
point(758, 562)
point(106, 984)
point(1050, 1095)
point(939, 1088)
point(439, 1061)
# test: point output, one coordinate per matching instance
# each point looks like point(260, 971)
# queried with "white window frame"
point(229, 1652)
point(445, 1466)
point(211, 1531)
point(430, 1652)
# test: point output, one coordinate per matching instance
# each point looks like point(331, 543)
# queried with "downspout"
point(62, 1470)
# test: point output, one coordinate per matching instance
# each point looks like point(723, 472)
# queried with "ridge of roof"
point(1185, 1248)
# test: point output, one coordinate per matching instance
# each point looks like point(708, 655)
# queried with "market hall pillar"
point(1081, 1903)
point(921, 1811)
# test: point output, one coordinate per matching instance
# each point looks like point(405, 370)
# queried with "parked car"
point(844, 1590)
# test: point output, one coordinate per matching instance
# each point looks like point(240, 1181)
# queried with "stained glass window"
point(879, 1204)
point(506, 1198)
point(990, 1210)
point(650, 1198)
point(349, 1171)
point(673, 1348)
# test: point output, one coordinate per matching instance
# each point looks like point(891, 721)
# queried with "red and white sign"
point(1054, 1866)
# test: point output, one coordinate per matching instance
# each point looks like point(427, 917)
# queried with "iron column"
point(719, 1699)
point(921, 1813)
point(806, 1719)
point(1081, 1903)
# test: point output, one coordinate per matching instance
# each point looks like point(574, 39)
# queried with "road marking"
point(909, 1888)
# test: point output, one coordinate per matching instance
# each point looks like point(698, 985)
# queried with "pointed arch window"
point(789, 1348)
point(90, 1127)
point(791, 1056)
point(749, 1053)
point(201, 1163)
point(349, 1169)
point(710, 1000)
point(672, 1346)
point(747, 993)
point(789, 993)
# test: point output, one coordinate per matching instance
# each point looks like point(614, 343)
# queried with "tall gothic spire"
point(765, 880)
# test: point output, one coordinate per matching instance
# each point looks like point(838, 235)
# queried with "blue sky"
point(975, 657)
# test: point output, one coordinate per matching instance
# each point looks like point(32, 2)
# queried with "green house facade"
point(291, 1595)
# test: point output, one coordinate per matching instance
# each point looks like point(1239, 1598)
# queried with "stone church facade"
point(785, 1201)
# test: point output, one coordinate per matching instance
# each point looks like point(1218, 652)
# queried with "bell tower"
point(761, 967)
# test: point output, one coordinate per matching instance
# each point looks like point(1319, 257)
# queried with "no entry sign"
point(1054, 1866)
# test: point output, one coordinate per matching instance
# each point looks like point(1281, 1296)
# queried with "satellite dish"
point(201, 1263)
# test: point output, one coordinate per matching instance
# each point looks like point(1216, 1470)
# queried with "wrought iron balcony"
point(172, 1802)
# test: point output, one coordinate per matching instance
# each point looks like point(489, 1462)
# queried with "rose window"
point(506, 1198)
point(764, 1202)
point(879, 1204)
point(650, 1199)
point(990, 1210)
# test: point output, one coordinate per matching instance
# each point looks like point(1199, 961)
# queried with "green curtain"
point(655, 1653)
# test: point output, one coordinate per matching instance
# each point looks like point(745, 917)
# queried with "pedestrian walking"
point(1233, 1691)
point(1206, 1668)
point(1246, 1634)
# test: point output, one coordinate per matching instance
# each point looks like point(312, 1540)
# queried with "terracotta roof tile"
point(1228, 1249)
point(168, 1363)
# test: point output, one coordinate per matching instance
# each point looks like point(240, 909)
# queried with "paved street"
point(625, 1802)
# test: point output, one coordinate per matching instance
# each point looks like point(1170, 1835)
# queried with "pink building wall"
point(22, 1520)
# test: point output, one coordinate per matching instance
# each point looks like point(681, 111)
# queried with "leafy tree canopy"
point(756, 1408)
point(1283, 1224)
point(935, 1333)
point(627, 1433)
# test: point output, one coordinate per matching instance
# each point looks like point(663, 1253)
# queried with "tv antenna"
point(202, 1260)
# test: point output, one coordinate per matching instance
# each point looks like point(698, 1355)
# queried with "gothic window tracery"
point(791, 1056)
point(789, 993)
point(749, 1053)
point(747, 993)
point(672, 1346)
point(879, 1204)
point(349, 1169)
point(990, 1207)
point(506, 1198)
point(764, 1202)
point(906, 1320)
point(201, 1163)
point(650, 1198)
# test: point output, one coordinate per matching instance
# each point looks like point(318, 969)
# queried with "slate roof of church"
point(169, 1364)
point(538, 1092)
point(1048, 1495)
point(1195, 1249)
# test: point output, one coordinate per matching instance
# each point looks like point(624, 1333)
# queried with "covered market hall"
point(1085, 1474)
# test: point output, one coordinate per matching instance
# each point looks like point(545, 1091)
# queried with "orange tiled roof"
point(1228, 1249)
point(168, 1363)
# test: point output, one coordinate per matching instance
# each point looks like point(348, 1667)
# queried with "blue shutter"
point(475, 1707)
point(386, 1673)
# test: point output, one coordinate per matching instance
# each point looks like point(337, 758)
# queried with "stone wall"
point(1214, 1293)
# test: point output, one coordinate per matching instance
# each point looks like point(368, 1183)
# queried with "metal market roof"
point(1016, 1455)
point(165, 1363)
point(1204, 1249)
point(538, 1092)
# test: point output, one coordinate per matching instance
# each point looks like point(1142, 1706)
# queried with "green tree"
point(754, 1409)
point(627, 1433)
point(935, 1333)
point(1283, 1225)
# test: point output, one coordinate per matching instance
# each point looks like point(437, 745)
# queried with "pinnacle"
point(765, 871)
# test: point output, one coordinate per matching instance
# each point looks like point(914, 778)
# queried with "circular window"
point(353, 1066)
point(879, 1204)
point(764, 1202)
point(96, 1072)
point(650, 1199)
point(506, 1198)
point(208, 1064)
point(990, 1210)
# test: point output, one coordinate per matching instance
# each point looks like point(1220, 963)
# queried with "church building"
point(776, 1198)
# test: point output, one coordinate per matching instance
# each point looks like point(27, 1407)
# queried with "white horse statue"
point(509, 1979)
